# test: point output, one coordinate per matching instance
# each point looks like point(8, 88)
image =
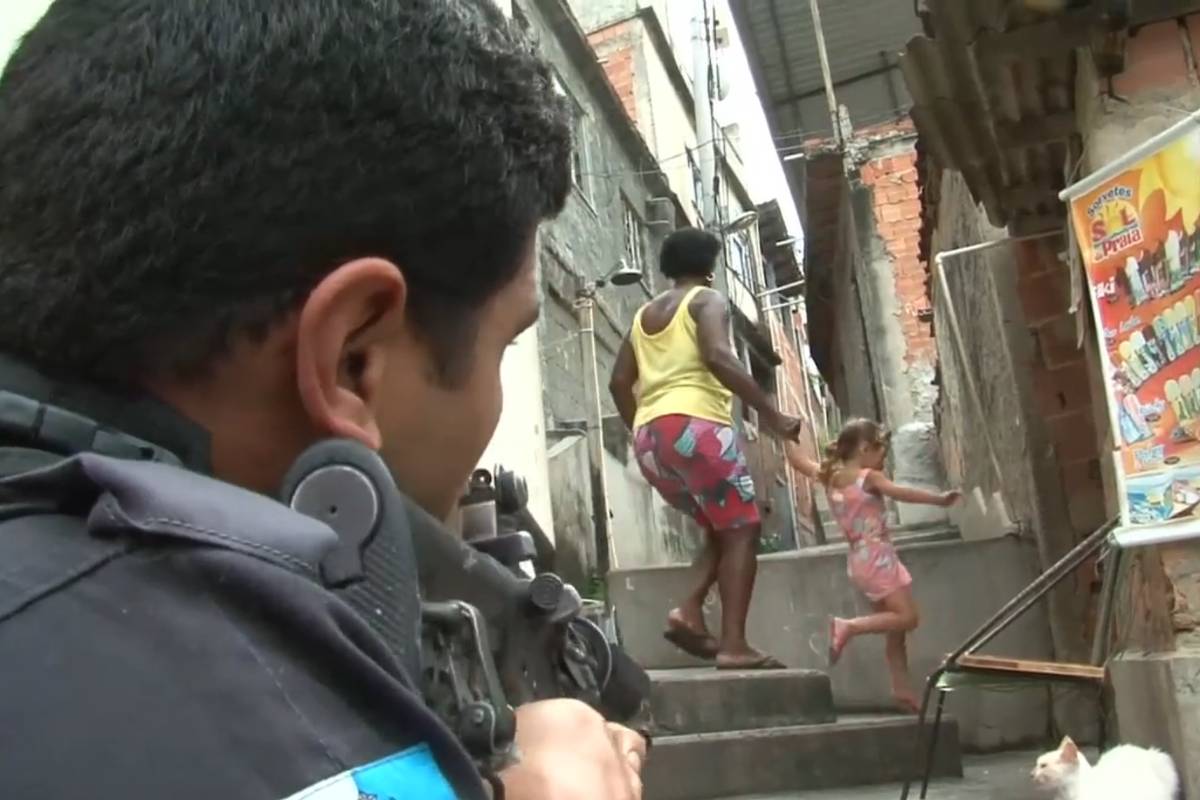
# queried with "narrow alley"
point(955, 512)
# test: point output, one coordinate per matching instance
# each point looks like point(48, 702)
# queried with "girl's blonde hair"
point(854, 434)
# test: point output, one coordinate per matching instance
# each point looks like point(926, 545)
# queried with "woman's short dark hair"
point(689, 252)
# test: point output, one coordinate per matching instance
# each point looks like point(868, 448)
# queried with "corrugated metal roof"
point(863, 39)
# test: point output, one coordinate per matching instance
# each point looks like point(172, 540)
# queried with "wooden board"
point(1021, 666)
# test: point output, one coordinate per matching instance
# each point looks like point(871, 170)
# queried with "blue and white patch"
point(410, 774)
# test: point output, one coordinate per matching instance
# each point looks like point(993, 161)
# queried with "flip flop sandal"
point(697, 645)
point(767, 662)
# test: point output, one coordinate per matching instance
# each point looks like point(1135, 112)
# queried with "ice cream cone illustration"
point(1171, 392)
point(1132, 364)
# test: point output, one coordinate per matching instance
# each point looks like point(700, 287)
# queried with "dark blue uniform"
point(166, 635)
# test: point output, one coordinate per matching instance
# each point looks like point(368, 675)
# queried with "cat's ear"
point(1068, 750)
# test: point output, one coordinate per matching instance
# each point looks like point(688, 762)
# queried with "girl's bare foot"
point(906, 700)
point(839, 635)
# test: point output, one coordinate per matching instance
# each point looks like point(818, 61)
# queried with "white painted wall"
point(519, 443)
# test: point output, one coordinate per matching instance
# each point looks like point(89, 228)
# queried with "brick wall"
point(896, 201)
point(614, 46)
point(1060, 380)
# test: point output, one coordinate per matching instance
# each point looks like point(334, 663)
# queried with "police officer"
point(229, 229)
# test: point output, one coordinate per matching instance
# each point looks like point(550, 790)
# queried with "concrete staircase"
point(729, 734)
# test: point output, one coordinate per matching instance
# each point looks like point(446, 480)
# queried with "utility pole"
point(827, 75)
point(702, 99)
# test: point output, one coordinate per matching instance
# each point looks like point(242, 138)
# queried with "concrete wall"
point(642, 76)
point(1158, 705)
point(957, 585)
point(645, 531)
point(584, 243)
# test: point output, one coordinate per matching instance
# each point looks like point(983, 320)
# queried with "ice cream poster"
point(1139, 233)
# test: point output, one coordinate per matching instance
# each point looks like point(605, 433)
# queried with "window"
point(635, 242)
point(741, 260)
point(580, 159)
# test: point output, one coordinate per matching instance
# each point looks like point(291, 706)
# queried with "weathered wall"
point(890, 175)
point(794, 396)
point(957, 585)
point(641, 71)
point(852, 378)
point(996, 302)
point(584, 243)
point(646, 532)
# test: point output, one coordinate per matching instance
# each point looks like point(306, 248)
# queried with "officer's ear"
point(347, 331)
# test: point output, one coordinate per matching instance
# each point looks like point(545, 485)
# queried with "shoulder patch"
point(408, 774)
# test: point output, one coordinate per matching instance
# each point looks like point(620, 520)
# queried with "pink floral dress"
point(873, 565)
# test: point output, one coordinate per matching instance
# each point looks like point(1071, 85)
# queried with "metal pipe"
point(605, 556)
point(1112, 568)
point(791, 302)
point(1130, 158)
point(791, 285)
point(701, 96)
point(960, 348)
point(826, 74)
point(1036, 589)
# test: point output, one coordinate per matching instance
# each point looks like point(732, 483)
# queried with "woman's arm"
point(802, 463)
point(620, 385)
point(878, 482)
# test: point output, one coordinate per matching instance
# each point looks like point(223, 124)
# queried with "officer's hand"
point(568, 752)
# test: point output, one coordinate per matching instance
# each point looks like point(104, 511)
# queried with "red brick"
point(1056, 342)
point(1044, 297)
point(1074, 435)
point(1154, 59)
point(1085, 493)
point(1062, 390)
point(891, 213)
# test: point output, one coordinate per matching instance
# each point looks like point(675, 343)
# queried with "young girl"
point(856, 489)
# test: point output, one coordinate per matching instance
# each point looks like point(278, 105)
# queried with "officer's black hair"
point(689, 253)
point(176, 174)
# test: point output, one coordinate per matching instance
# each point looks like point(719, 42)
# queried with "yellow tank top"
point(672, 378)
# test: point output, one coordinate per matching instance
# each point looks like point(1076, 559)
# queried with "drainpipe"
point(585, 304)
point(939, 267)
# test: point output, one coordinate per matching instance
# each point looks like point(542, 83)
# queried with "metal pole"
point(775, 289)
point(586, 304)
point(826, 74)
point(701, 92)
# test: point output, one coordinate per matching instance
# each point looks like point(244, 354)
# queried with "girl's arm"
point(879, 483)
point(800, 462)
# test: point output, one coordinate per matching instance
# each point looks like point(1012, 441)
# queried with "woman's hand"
point(950, 498)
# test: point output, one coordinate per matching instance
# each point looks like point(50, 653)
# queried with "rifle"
point(483, 637)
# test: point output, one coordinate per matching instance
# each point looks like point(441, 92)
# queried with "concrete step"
point(854, 751)
point(703, 699)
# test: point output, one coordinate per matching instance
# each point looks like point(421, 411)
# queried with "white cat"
point(1123, 773)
